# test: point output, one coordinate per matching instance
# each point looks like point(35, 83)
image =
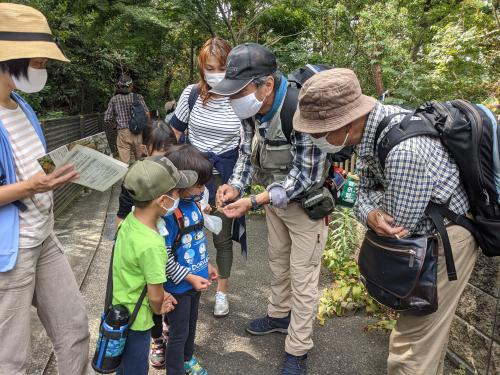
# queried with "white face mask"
point(326, 146)
point(35, 81)
point(213, 79)
point(171, 210)
point(247, 106)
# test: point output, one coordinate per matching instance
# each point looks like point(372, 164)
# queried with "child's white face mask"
point(170, 210)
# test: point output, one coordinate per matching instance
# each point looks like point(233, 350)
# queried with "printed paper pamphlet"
point(90, 158)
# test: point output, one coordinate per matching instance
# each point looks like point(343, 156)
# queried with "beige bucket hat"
point(25, 33)
point(330, 100)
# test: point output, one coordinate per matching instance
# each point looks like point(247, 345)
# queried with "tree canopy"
point(418, 50)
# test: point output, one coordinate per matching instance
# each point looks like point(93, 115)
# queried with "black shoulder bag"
point(401, 273)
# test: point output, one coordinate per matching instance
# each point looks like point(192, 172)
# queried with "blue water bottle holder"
point(115, 324)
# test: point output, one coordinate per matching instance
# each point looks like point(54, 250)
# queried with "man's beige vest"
point(271, 155)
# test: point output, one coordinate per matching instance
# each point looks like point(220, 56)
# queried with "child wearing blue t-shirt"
point(187, 244)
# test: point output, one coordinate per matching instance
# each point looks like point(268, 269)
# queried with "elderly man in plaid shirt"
point(288, 168)
point(119, 113)
point(392, 201)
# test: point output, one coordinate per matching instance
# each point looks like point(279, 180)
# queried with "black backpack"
point(467, 132)
point(297, 79)
point(299, 76)
point(192, 98)
point(138, 119)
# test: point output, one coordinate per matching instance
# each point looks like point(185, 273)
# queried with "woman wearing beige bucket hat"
point(392, 200)
point(33, 267)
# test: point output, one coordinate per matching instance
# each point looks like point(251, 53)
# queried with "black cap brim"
point(228, 87)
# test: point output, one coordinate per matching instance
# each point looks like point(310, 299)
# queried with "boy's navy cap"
point(245, 63)
point(152, 177)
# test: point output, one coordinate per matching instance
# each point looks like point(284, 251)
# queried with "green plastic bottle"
point(349, 191)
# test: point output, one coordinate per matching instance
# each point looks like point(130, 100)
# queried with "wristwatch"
point(253, 200)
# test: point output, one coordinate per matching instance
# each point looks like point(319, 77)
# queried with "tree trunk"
point(225, 17)
point(166, 86)
point(377, 76)
point(191, 65)
point(82, 100)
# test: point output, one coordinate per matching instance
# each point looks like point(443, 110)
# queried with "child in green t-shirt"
point(140, 255)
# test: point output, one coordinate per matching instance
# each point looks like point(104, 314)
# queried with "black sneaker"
point(265, 325)
point(294, 365)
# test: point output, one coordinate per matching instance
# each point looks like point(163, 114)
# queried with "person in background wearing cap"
point(169, 110)
point(288, 170)
point(392, 201)
point(140, 255)
point(118, 114)
point(33, 267)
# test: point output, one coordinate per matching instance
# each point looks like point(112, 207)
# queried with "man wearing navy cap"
point(288, 166)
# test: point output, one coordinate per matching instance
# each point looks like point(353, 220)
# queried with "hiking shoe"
point(192, 367)
point(221, 307)
point(157, 353)
point(294, 365)
point(265, 325)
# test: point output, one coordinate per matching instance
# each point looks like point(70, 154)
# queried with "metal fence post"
point(100, 120)
point(82, 126)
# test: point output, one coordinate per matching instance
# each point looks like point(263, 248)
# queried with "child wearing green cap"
point(140, 255)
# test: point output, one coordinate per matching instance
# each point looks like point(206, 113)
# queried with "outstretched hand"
point(226, 193)
point(238, 208)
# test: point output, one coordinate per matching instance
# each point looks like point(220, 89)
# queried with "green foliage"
point(347, 293)
point(342, 239)
point(256, 189)
point(460, 371)
point(50, 115)
point(385, 323)
point(417, 49)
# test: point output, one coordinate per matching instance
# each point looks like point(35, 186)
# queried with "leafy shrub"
point(347, 293)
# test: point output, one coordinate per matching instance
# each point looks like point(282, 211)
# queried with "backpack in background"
point(296, 80)
point(471, 135)
point(299, 76)
point(138, 119)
